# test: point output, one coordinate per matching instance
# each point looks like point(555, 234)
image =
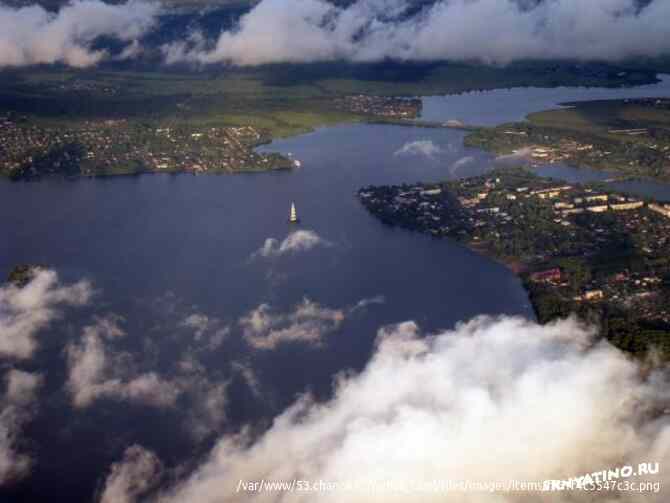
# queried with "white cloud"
point(96, 371)
point(365, 303)
point(198, 322)
point(138, 472)
point(308, 322)
point(205, 410)
point(107, 327)
point(31, 35)
point(486, 30)
point(295, 242)
point(492, 400)
point(207, 413)
point(16, 408)
point(426, 148)
point(24, 311)
point(188, 50)
point(22, 387)
point(178, 318)
point(206, 328)
point(246, 371)
point(297, 31)
point(131, 51)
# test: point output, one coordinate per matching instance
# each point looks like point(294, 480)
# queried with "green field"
point(599, 117)
point(68, 98)
point(284, 99)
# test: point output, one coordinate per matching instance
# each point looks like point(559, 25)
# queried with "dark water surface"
point(159, 247)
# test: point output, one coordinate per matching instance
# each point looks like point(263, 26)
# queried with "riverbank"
point(113, 148)
point(577, 248)
point(630, 138)
point(106, 122)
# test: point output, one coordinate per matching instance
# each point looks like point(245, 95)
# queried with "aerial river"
point(161, 248)
point(490, 108)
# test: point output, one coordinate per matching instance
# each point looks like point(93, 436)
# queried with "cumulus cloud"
point(32, 35)
point(138, 472)
point(179, 318)
point(497, 31)
point(206, 328)
point(25, 310)
point(426, 148)
point(246, 371)
point(95, 370)
point(491, 400)
point(206, 399)
point(308, 322)
point(16, 408)
point(208, 406)
point(198, 322)
point(296, 242)
point(298, 31)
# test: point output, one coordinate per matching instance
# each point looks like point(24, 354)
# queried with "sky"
point(275, 31)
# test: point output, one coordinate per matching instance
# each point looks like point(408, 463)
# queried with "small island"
point(581, 249)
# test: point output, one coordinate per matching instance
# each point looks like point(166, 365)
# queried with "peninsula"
point(578, 248)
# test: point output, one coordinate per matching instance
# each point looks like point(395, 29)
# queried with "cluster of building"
point(626, 146)
point(662, 209)
point(116, 146)
point(527, 220)
point(566, 200)
point(592, 202)
point(17, 143)
point(389, 107)
point(571, 151)
point(565, 151)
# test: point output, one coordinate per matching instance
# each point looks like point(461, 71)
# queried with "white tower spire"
point(293, 217)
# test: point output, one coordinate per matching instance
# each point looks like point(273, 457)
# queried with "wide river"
point(160, 248)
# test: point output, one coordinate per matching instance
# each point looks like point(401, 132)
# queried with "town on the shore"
point(30, 150)
point(582, 249)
